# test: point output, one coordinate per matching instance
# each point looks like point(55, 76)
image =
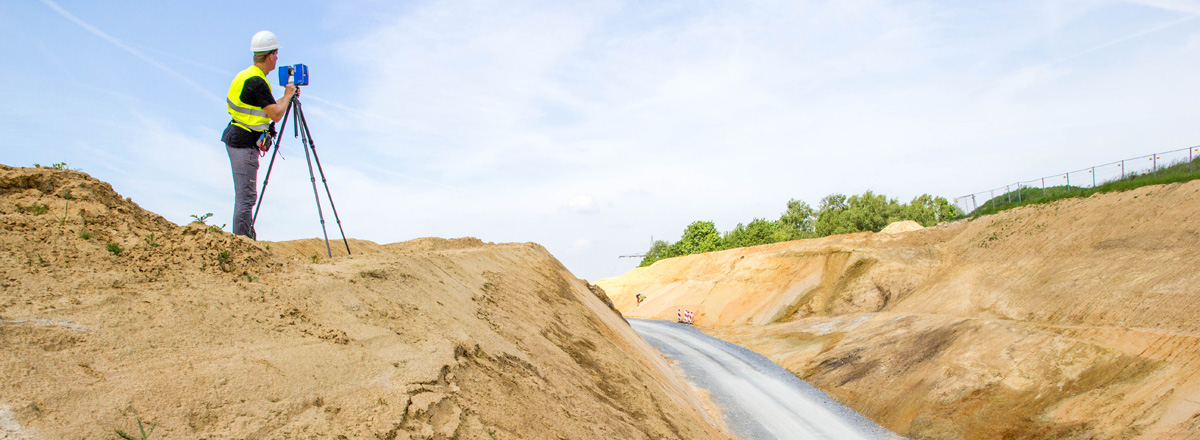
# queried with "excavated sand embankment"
point(211, 336)
point(1070, 320)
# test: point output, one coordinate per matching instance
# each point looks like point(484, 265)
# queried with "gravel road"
point(760, 399)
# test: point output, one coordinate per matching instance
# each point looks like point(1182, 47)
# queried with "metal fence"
point(1090, 177)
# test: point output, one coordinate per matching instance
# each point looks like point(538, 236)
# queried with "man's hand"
point(275, 111)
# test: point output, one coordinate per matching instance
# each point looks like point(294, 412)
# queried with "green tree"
point(799, 221)
point(658, 250)
point(872, 212)
point(929, 210)
point(759, 231)
point(699, 237)
point(836, 214)
point(831, 216)
point(866, 212)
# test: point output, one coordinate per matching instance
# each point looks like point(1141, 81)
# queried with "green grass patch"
point(1178, 172)
point(35, 209)
point(114, 248)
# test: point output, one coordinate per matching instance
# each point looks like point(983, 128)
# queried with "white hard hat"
point(264, 41)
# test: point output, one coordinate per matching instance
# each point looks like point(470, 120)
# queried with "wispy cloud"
point(1135, 35)
point(591, 126)
point(132, 50)
point(1186, 6)
point(664, 114)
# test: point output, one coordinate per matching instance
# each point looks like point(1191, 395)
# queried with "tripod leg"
point(312, 177)
point(312, 145)
point(267, 178)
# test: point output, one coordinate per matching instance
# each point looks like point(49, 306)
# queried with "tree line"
point(836, 214)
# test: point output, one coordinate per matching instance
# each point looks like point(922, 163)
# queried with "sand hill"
point(1076, 319)
point(110, 314)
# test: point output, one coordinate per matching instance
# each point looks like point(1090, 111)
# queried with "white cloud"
point(582, 204)
point(482, 119)
point(579, 246)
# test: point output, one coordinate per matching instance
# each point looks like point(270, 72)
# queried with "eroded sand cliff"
point(1070, 320)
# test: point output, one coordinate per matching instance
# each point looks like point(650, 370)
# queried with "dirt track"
point(1069, 320)
point(760, 399)
point(214, 336)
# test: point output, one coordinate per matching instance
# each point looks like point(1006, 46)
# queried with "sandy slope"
point(214, 336)
point(1070, 320)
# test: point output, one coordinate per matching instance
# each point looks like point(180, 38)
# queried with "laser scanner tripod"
point(300, 129)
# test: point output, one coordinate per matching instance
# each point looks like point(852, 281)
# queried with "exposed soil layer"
point(1075, 319)
point(110, 314)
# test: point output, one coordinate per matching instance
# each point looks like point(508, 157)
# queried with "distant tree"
point(657, 251)
point(866, 212)
point(759, 231)
point(946, 210)
point(872, 212)
point(929, 210)
point(832, 216)
point(701, 236)
point(698, 237)
point(799, 221)
point(836, 214)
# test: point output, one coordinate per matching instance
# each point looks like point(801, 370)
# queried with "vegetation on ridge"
point(837, 214)
point(1181, 171)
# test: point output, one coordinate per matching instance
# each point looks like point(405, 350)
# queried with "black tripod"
point(300, 129)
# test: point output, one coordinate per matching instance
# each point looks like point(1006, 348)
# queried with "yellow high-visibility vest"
point(245, 115)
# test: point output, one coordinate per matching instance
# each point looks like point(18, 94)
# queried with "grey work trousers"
point(244, 162)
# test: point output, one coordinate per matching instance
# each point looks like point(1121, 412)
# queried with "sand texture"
point(211, 336)
point(1076, 319)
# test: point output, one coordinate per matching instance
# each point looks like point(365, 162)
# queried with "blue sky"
point(590, 127)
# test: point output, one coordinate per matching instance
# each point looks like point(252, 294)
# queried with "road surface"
point(760, 399)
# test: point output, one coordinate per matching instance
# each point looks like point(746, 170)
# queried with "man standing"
point(254, 110)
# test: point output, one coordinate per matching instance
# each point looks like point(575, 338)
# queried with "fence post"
point(1018, 192)
point(1093, 177)
point(1190, 150)
point(1122, 169)
point(974, 204)
point(1008, 193)
point(1043, 187)
point(1155, 159)
point(993, 198)
point(1068, 177)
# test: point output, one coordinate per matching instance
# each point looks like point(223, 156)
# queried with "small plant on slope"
point(144, 432)
point(35, 209)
